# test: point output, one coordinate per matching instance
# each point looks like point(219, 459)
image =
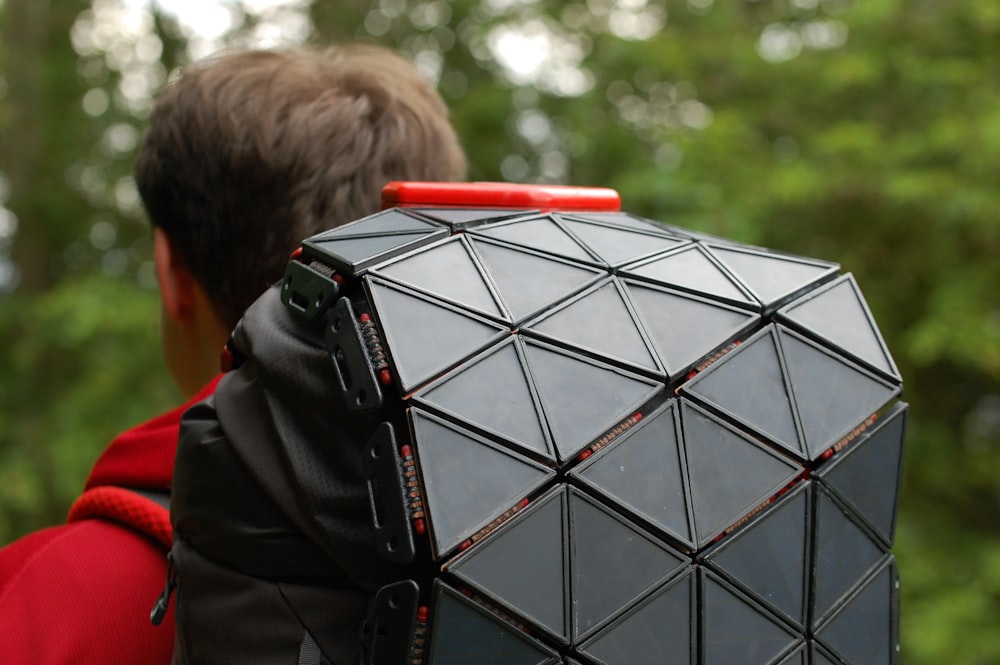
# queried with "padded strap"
point(309, 653)
point(142, 511)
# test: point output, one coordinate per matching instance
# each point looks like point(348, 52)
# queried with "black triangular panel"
point(540, 233)
point(768, 557)
point(387, 222)
point(529, 282)
point(492, 393)
point(424, 336)
point(660, 629)
point(577, 413)
point(839, 314)
point(462, 218)
point(617, 246)
point(736, 630)
point(524, 565)
point(832, 394)
point(645, 471)
point(773, 278)
point(622, 219)
point(355, 254)
point(730, 473)
point(749, 385)
point(600, 322)
point(692, 269)
point(685, 328)
point(446, 270)
point(467, 481)
point(842, 554)
point(863, 631)
point(463, 632)
point(612, 563)
point(867, 475)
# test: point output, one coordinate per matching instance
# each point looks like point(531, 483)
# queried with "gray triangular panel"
point(842, 555)
point(617, 245)
point(832, 394)
point(735, 630)
point(691, 269)
point(446, 270)
point(386, 222)
point(599, 322)
point(492, 392)
point(644, 470)
point(524, 565)
point(363, 251)
point(467, 481)
point(685, 328)
point(867, 474)
point(839, 314)
point(539, 233)
point(463, 633)
point(863, 631)
point(529, 282)
point(424, 336)
point(601, 544)
point(749, 385)
point(768, 556)
point(657, 631)
point(576, 412)
point(730, 474)
point(772, 277)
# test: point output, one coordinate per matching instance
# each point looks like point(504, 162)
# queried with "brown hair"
point(249, 153)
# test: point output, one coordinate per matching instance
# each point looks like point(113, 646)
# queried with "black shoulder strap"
point(309, 653)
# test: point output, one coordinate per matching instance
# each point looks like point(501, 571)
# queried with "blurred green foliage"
point(82, 362)
point(866, 133)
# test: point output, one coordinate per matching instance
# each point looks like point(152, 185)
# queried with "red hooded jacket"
point(82, 592)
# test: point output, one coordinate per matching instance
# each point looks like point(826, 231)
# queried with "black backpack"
point(272, 530)
point(527, 437)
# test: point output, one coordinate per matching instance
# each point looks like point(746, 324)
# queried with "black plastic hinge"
point(386, 480)
point(387, 634)
point(351, 362)
point(308, 291)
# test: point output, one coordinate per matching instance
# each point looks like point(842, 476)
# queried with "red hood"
point(143, 457)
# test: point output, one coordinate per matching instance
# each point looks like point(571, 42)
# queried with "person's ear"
point(177, 285)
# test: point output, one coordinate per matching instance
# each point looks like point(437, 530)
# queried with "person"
point(246, 154)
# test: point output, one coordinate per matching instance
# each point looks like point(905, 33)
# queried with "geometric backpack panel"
point(838, 315)
point(586, 438)
point(805, 399)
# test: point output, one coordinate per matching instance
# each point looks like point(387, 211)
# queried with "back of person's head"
point(249, 153)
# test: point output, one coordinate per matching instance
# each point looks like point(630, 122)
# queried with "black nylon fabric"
point(227, 618)
point(273, 536)
point(286, 420)
point(219, 508)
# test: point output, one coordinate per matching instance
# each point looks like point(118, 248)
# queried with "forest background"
point(861, 132)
